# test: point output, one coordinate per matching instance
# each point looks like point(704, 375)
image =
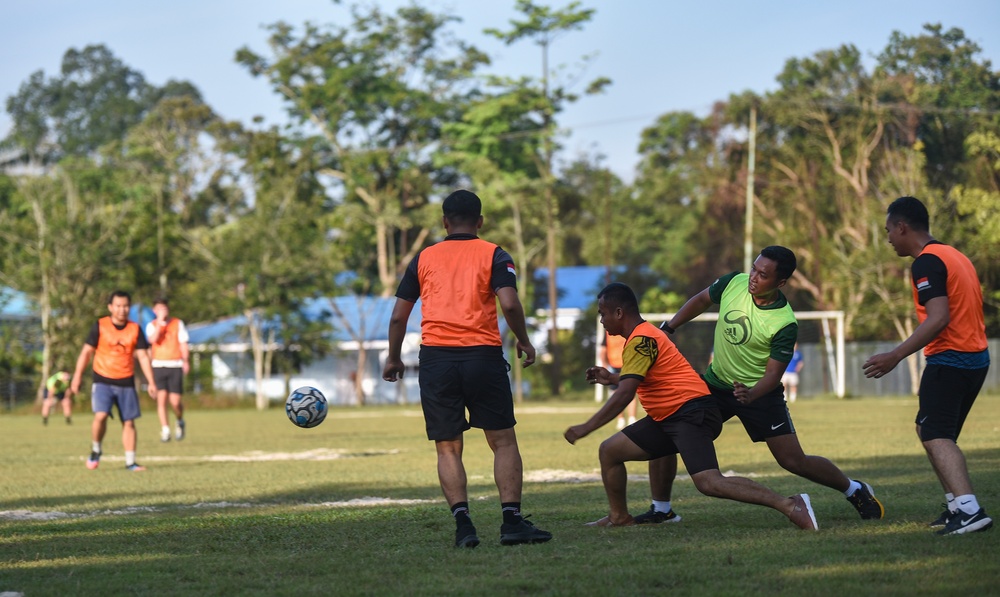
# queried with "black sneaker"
point(960, 523)
point(865, 502)
point(465, 536)
point(942, 520)
point(522, 532)
point(651, 516)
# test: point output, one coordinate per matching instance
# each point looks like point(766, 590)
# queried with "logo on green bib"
point(739, 331)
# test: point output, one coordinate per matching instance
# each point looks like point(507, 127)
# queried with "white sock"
point(659, 506)
point(165, 429)
point(967, 503)
point(950, 498)
point(96, 447)
point(129, 457)
point(854, 486)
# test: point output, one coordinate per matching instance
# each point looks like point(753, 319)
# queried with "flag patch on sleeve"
point(923, 284)
point(510, 268)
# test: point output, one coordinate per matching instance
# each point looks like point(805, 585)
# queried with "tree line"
point(116, 182)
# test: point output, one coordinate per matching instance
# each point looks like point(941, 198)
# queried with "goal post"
point(825, 342)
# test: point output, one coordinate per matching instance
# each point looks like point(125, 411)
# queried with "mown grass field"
point(248, 504)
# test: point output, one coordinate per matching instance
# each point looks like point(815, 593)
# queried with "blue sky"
point(662, 55)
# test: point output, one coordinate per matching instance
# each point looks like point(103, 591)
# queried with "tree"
point(95, 100)
point(544, 25)
point(376, 94)
point(276, 254)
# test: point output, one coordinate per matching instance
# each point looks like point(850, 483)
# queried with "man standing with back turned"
point(462, 366)
point(952, 332)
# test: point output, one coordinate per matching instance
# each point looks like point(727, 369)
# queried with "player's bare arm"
point(86, 353)
point(938, 317)
point(393, 369)
point(695, 306)
point(616, 404)
point(513, 312)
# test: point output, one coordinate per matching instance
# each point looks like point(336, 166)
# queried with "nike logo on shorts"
point(773, 427)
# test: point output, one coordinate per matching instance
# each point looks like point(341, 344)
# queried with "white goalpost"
point(832, 342)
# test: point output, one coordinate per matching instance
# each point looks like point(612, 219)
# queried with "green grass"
point(224, 513)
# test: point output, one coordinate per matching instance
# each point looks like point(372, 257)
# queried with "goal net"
point(821, 342)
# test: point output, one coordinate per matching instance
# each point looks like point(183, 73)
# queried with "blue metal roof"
point(577, 285)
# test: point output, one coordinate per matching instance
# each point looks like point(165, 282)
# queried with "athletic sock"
point(950, 498)
point(95, 447)
point(165, 429)
point(967, 503)
point(854, 486)
point(129, 457)
point(461, 513)
point(511, 512)
point(660, 506)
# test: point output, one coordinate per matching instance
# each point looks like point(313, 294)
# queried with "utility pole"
point(748, 224)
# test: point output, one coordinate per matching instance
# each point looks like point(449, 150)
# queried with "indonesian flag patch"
point(923, 284)
point(510, 268)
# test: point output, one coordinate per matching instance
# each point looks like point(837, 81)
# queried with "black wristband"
point(666, 328)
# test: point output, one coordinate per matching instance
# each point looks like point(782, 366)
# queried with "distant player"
point(55, 390)
point(168, 341)
point(683, 418)
point(790, 379)
point(115, 343)
point(952, 332)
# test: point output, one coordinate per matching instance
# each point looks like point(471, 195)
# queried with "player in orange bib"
point(168, 342)
point(681, 417)
point(952, 332)
point(115, 343)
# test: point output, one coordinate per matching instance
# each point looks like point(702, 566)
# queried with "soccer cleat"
point(522, 532)
point(165, 434)
point(941, 520)
point(960, 523)
point(135, 468)
point(45, 420)
point(651, 516)
point(93, 460)
point(802, 514)
point(69, 420)
point(620, 424)
point(179, 433)
point(465, 536)
point(865, 502)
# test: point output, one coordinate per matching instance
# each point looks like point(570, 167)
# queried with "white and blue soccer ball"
point(306, 407)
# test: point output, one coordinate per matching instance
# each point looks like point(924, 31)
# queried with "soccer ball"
point(306, 407)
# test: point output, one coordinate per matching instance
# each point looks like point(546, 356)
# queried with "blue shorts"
point(104, 396)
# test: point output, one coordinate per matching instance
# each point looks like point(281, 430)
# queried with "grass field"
point(248, 504)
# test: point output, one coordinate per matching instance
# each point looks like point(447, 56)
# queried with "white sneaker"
point(165, 434)
point(179, 434)
point(620, 424)
point(631, 420)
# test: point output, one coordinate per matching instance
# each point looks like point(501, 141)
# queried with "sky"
point(661, 55)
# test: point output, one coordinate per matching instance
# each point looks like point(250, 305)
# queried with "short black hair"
point(784, 260)
point(123, 293)
point(620, 295)
point(462, 207)
point(912, 211)
point(161, 301)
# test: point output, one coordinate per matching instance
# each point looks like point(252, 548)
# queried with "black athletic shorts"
point(689, 432)
point(449, 386)
point(946, 397)
point(765, 417)
point(170, 379)
point(57, 396)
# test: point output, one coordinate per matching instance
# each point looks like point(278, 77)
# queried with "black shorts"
point(765, 417)
point(449, 387)
point(170, 379)
point(689, 432)
point(57, 396)
point(946, 397)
